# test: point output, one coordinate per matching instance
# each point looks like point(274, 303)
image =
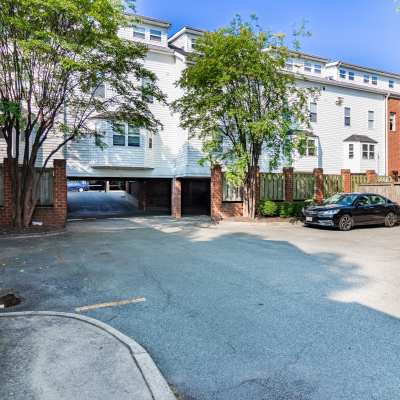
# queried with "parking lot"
point(232, 311)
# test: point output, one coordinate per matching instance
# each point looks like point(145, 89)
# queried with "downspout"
point(386, 133)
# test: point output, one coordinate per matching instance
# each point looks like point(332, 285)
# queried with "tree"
point(55, 57)
point(242, 104)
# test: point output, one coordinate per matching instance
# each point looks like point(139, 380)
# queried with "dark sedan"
point(344, 211)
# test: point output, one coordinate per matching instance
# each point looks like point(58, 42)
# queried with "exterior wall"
point(393, 138)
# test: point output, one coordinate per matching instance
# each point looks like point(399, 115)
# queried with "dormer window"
point(139, 32)
point(307, 66)
point(155, 35)
point(342, 73)
point(374, 80)
point(351, 76)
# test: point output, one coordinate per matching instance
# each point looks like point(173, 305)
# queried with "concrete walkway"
point(64, 356)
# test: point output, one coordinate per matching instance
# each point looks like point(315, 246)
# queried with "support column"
point(6, 210)
point(395, 176)
point(176, 198)
point(142, 196)
point(371, 176)
point(60, 192)
point(107, 186)
point(346, 177)
point(288, 173)
point(216, 193)
point(318, 185)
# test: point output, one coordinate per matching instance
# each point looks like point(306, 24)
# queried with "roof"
point(308, 56)
point(150, 20)
point(178, 50)
point(360, 138)
point(365, 69)
point(186, 29)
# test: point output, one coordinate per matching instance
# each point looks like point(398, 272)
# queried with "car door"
point(363, 212)
point(378, 205)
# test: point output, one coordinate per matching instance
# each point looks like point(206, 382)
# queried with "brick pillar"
point(289, 181)
point(371, 176)
point(142, 196)
point(346, 177)
point(216, 193)
point(318, 185)
point(395, 176)
point(176, 198)
point(6, 210)
point(60, 192)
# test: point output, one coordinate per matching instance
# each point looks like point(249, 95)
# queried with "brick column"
point(318, 185)
point(371, 176)
point(346, 177)
point(395, 176)
point(216, 193)
point(60, 192)
point(289, 181)
point(6, 210)
point(176, 198)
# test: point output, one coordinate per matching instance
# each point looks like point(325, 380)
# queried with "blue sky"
point(365, 32)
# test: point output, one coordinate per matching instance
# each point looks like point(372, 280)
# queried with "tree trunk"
point(251, 193)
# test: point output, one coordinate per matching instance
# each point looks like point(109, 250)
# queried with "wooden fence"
point(303, 186)
point(391, 190)
point(357, 180)
point(231, 193)
point(332, 184)
point(45, 188)
point(272, 187)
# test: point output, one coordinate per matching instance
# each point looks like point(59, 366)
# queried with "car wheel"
point(390, 220)
point(80, 190)
point(346, 222)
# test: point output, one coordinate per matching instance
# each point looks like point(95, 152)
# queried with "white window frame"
point(118, 133)
point(374, 80)
point(100, 91)
point(347, 116)
point(289, 65)
point(367, 151)
point(391, 83)
point(127, 133)
point(342, 73)
point(139, 32)
point(351, 151)
point(371, 119)
point(313, 111)
point(155, 35)
point(366, 78)
point(307, 66)
point(148, 98)
point(133, 132)
point(312, 147)
point(352, 75)
point(317, 69)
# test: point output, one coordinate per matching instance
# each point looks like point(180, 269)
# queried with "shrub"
point(268, 208)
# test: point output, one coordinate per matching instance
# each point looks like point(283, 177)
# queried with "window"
point(377, 200)
point(193, 43)
point(371, 119)
point(150, 142)
point(100, 91)
point(146, 86)
point(392, 121)
point(347, 116)
point(342, 73)
point(366, 78)
point(374, 80)
point(133, 136)
point(317, 68)
point(391, 84)
point(368, 151)
point(155, 35)
point(289, 64)
point(351, 151)
point(118, 134)
point(311, 150)
point(313, 111)
point(307, 66)
point(351, 76)
point(139, 32)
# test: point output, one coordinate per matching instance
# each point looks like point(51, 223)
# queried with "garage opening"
point(196, 196)
point(110, 198)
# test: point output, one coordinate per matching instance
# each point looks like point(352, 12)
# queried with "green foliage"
point(267, 208)
point(236, 99)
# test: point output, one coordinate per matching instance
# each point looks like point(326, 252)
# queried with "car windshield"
point(341, 199)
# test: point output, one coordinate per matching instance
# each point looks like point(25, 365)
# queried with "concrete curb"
point(33, 235)
point(156, 383)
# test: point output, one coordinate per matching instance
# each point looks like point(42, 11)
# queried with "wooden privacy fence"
point(46, 188)
point(391, 190)
point(303, 186)
point(1, 186)
point(357, 180)
point(229, 192)
point(332, 184)
point(272, 186)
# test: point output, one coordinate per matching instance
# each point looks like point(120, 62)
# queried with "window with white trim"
point(317, 68)
point(368, 151)
point(133, 136)
point(155, 35)
point(139, 32)
point(351, 151)
point(100, 91)
point(347, 116)
point(342, 73)
point(366, 78)
point(311, 149)
point(392, 122)
point(289, 64)
point(374, 80)
point(391, 84)
point(351, 76)
point(118, 129)
point(313, 111)
point(193, 43)
point(146, 85)
point(307, 66)
point(371, 119)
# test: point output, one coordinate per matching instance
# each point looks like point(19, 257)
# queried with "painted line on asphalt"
point(111, 304)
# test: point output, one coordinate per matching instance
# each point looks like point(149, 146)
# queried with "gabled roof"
point(364, 69)
point(186, 29)
point(149, 20)
point(360, 138)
